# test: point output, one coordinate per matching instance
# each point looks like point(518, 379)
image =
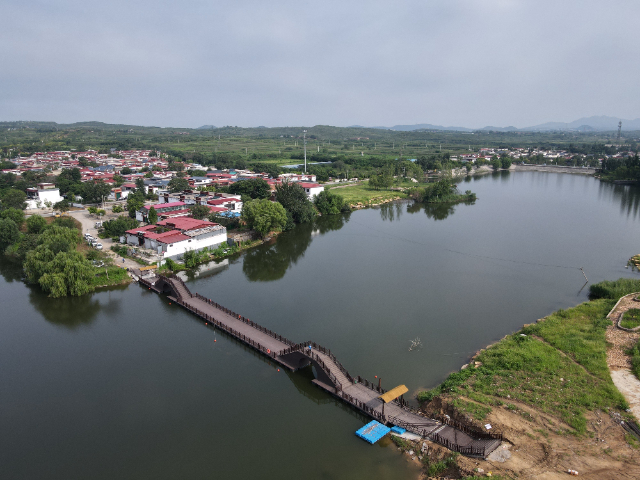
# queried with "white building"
point(175, 236)
point(311, 189)
point(44, 192)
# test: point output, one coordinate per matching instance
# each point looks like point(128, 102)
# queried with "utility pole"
point(619, 130)
point(304, 140)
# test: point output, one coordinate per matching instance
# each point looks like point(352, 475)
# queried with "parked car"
point(98, 246)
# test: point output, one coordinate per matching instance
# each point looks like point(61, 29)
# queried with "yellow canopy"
point(393, 393)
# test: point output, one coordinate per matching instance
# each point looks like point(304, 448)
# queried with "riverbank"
point(548, 389)
point(360, 195)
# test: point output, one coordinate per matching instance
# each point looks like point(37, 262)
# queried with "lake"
point(121, 384)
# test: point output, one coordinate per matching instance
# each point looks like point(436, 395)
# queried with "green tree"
point(295, 201)
point(126, 171)
point(177, 184)
point(9, 233)
point(36, 224)
point(264, 216)
point(63, 206)
point(14, 214)
point(153, 216)
point(496, 163)
point(140, 187)
point(329, 203)
point(115, 228)
point(94, 192)
point(505, 162)
point(59, 274)
point(14, 199)
point(117, 209)
point(199, 211)
point(253, 187)
point(135, 201)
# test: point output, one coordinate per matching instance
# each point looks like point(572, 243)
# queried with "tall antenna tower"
point(619, 130)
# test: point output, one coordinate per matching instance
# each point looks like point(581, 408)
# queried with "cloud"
point(456, 62)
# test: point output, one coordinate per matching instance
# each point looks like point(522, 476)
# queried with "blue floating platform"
point(372, 432)
point(398, 430)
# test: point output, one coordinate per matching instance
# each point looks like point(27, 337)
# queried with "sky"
point(250, 63)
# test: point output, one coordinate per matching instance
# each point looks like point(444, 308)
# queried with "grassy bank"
point(557, 366)
point(110, 275)
point(362, 193)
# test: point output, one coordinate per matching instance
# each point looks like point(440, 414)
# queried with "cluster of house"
point(172, 237)
point(523, 154)
point(156, 182)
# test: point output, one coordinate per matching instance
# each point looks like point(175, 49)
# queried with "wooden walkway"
point(331, 375)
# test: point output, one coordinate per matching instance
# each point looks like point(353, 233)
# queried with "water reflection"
point(205, 270)
point(270, 261)
point(434, 211)
point(627, 195)
point(72, 312)
point(11, 270)
point(391, 211)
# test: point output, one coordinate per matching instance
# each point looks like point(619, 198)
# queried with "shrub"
point(631, 318)
point(36, 224)
point(614, 289)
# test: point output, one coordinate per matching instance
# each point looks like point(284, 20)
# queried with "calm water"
point(121, 384)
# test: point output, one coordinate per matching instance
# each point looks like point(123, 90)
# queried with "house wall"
point(312, 192)
point(209, 240)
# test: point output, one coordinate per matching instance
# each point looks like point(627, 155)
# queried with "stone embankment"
point(374, 202)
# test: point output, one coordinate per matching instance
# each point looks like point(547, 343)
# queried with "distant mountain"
point(428, 126)
point(206, 127)
point(596, 123)
point(588, 124)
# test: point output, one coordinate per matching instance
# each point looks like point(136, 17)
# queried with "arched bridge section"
point(330, 374)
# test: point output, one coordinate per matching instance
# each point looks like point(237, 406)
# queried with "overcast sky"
point(283, 63)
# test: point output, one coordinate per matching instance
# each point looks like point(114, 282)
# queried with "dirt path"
point(618, 361)
point(88, 222)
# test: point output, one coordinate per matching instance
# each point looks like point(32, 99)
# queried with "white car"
point(98, 246)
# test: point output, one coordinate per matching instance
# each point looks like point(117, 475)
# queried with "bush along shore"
point(54, 255)
point(548, 389)
point(442, 191)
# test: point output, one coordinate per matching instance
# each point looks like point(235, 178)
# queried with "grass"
point(565, 374)
point(631, 318)
point(112, 275)
point(401, 443)
point(614, 289)
point(635, 359)
point(476, 410)
point(363, 194)
point(632, 441)
point(435, 468)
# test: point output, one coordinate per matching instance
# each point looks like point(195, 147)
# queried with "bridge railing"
point(472, 432)
point(473, 450)
point(304, 347)
point(370, 385)
point(421, 429)
point(364, 407)
point(173, 276)
point(234, 333)
point(245, 320)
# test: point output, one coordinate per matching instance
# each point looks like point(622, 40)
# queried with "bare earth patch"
point(540, 447)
